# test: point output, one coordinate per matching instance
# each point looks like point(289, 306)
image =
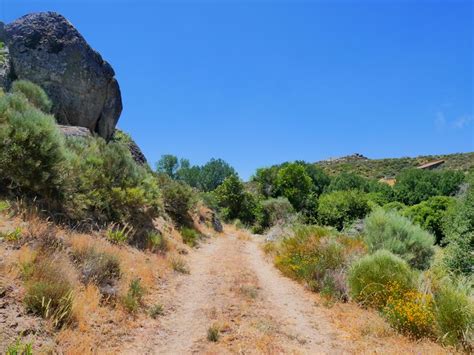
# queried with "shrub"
point(430, 214)
point(33, 93)
point(213, 173)
point(409, 312)
point(369, 278)
point(319, 257)
point(178, 200)
point(106, 185)
point(157, 242)
point(190, 236)
point(390, 231)
point(49, 293)
point(395, 206)
point(133, 299)
point(346, 181)
point(32, 153)
point(459, 231)
point(98, 267)
point(340, 208)
point(454, 316)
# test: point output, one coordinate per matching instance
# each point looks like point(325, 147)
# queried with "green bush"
point(33, 93)
point(295, 184)
point(18, 347)
point(340, 208)
point(157, 242)
point(459, 231)
point(454, 316)
point(370, 277)
point(178, 200)
point(190, 236)
point(395, 206)
point(430, 214)
point(32, 153)
point(390, 231)
point(271, 212)
point(133, 299)
point(348, 181)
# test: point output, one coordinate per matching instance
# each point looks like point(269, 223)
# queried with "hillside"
point(390, 167)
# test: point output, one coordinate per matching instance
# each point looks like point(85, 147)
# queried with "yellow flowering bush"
point(410, 312)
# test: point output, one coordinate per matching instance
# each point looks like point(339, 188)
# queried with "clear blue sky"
point(262, 82)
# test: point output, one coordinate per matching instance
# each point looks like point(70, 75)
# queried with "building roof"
point(431, 164)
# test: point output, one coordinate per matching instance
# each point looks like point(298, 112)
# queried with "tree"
point(348, 181)
point(318, 177)
point(295, 184)
point(339, 208)
point(230, 196)
point(213, 173)
point(168, 164)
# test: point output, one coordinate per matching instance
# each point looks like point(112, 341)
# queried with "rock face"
point(46, 49)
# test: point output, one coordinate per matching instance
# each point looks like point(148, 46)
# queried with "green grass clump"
point(190, 236)
point(133, 298)
point(157, 242)
point(13, 236)
point(18, 347)
point(156, 311)
point(98, 267)
point(454, 316)
point(370, 277)
point(213, 333)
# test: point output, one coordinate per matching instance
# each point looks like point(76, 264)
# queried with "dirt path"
point(257, 310)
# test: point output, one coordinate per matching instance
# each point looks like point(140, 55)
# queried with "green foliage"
point(369, 278)
point(340, 208)
point(235, 202)
point(454, 316)
point(415, 185)
point(156, 242)
point(178, 200)
point(459, 231)
point(133, 299)
point(430, 214)
point(213, 333)
point(213, 174)
point(271, 212)
point(33, 93)
point(190, 236)
point(319, 257)
point(32, 155)
point(295, 184)
point(168, 164)
point(395, 206)
point(18, 347)
point(390, 231)
point(12, 236)
point(118, 235)
point(348, 181)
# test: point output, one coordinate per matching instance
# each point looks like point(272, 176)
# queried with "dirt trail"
point(257, 310)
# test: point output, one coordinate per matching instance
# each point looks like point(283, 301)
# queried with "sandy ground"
point(256, 309)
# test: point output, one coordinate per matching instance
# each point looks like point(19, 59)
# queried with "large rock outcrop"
point(46, 49)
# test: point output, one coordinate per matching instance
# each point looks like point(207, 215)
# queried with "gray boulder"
point(46, 49)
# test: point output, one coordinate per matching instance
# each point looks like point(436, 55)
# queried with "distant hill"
point(390, 167)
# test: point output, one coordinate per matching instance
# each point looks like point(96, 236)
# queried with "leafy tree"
point(430, 214)
point(266, 180)
point(416, 185)
point(168, 164)
point(339, 208)
point(348, 181)
point(178, 200)
point(295, 184)
point(213, 173)
point(319, 178)
point(189, 174)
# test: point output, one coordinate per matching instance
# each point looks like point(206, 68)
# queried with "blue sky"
point(262, 82)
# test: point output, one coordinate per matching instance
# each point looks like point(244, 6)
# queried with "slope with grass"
point(390, 167)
